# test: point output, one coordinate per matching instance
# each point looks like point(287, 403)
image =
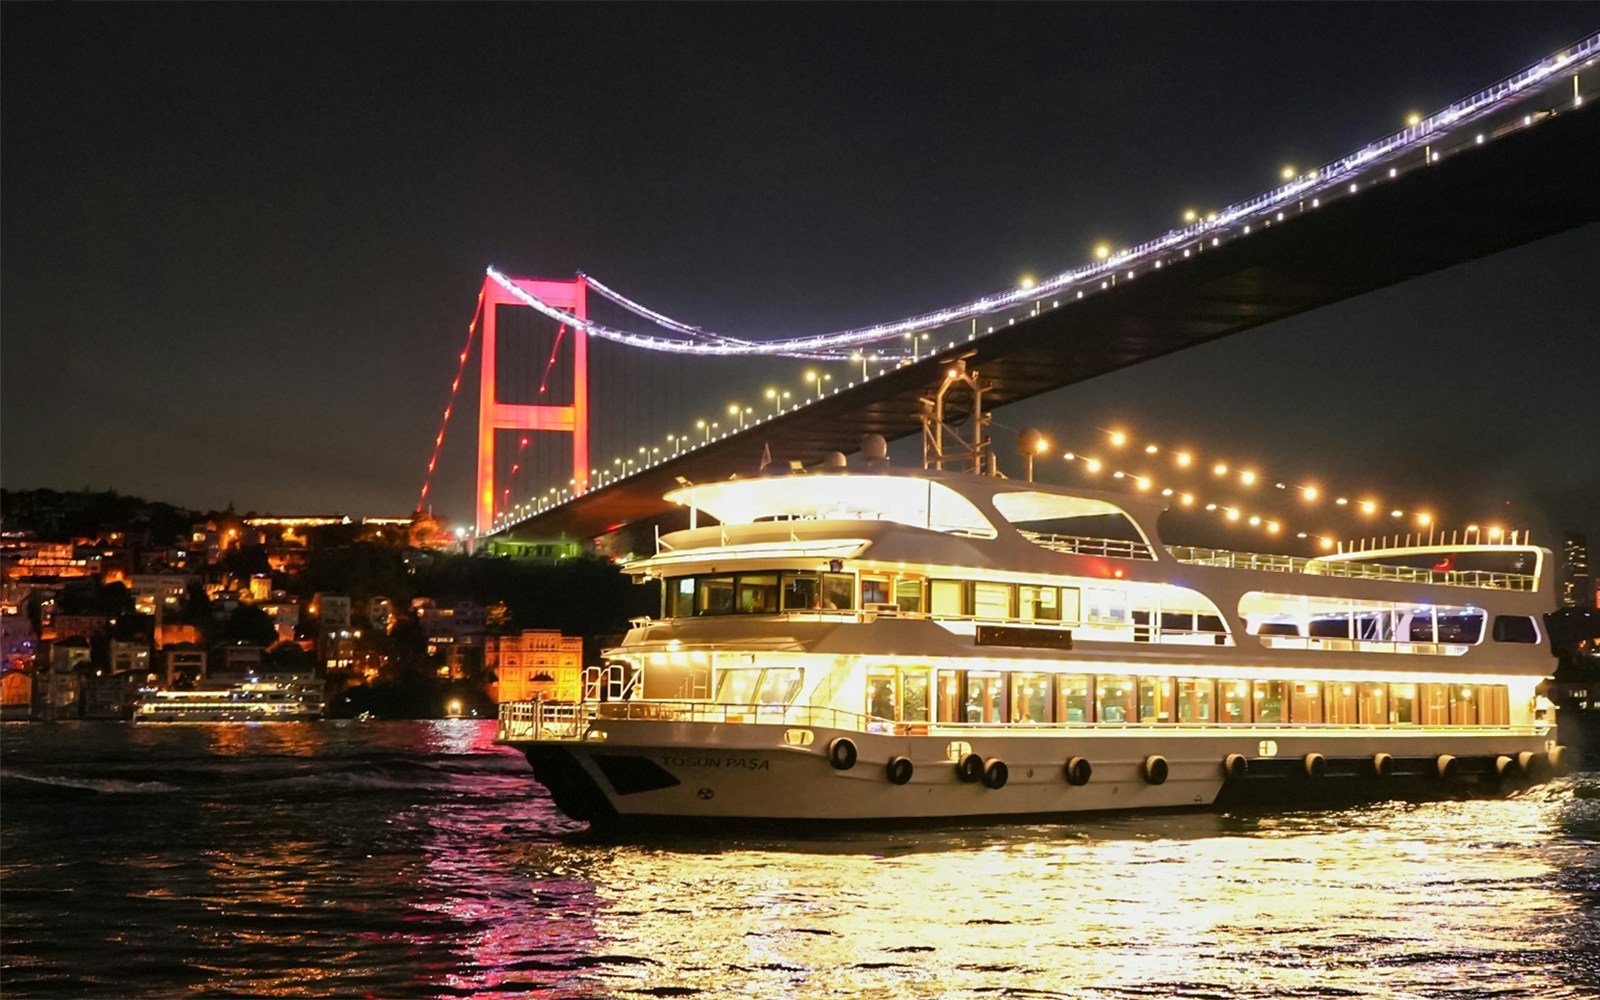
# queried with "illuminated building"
point(537, 665)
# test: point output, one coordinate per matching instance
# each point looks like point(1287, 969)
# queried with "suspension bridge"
point(582, 389)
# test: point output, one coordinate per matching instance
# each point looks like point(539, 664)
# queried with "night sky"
point(241, 243)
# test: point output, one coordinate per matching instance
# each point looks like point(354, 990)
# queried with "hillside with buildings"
point(106, 596)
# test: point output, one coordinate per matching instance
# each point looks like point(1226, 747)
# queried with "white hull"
point(746, 773)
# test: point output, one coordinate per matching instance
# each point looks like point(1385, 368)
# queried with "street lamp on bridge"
point(735, 410)
point(819, 378)
point(778, 397)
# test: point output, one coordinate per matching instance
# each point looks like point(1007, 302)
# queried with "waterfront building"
point(1577, 586)
point(537, 665)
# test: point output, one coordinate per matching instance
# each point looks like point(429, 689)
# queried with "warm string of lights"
point(1222, 472)
point(449, 406)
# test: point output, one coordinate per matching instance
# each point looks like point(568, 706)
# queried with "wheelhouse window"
point(949, 597)
point(838, 591)
point(1039, 604)
point(714, 595)
point(800, 593)
point(874, 590)
point(758, 594)
point(758, 686)
point(991, 600)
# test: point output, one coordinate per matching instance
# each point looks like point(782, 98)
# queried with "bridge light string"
point(449, 406)
point(1327, 180)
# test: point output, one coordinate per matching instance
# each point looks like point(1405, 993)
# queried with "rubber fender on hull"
point(1154, 769)
point(969, 768)
point(842, 753)
point(1315, 765)
point(1078, 771)
point(1235, 765)
point(1558, 761)
point(1507, 768)
point(1446, 767)
point(1382, 765)
point(1527, 760)
point(898, 770)
point(995, 773)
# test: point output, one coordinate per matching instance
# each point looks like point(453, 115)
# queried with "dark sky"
point(241, 243)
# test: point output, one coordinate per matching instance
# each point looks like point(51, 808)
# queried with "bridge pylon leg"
point(493, 415)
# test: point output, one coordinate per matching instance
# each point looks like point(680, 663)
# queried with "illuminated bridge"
point(583, 391)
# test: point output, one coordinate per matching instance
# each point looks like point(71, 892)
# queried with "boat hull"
point(695, 774)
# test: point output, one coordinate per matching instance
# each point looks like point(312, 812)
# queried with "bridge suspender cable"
point(455, 387)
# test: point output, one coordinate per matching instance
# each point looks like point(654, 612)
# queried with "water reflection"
point(419, 860)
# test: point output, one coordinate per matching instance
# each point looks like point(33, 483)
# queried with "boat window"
point(1038, 604)
point(838, 591)
point(1461, 625)
point(1494, 705)
point(758, 594)
point(1374, 707)
point(1463, 705)
point(1339, 704)
point(1030, 697)
point(949, 597)
point(1234, 703)
point(800, 592)
point(1195, 699)
point(874, 590)
point(1305, 702)
point(738, 686)
point(986, 695)
point(1420, 626)
point(1071, 605)
point(678, 597)
point(1155, 699)
point(881, 700)
point(1073, 702)
point(1109, 607)
point(908, 594)
point(991, 600)
point(1114, 699)
point(1403, 704)
point(1435, 700)
point(914, 694)
point(950, 684)
point(1515, 628)
point(778, 686)
point(1270, 701)
point(714, 595)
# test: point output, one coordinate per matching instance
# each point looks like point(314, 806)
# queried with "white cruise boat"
point(900, 646)
point(270, 698)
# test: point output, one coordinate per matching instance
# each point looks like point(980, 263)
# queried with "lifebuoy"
point(1446, 766)
point(1078, 771)
point(995, 773)
point(1154, 769)
point(1382, 765)
point(1506, 768)
point(969, 768)
point(1315, 765)
point(842, 753)
point(899, 770)
point(1235, 766)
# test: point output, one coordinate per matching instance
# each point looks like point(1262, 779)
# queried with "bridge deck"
point(1522, 187)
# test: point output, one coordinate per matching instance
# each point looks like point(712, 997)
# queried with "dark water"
point(416, 859)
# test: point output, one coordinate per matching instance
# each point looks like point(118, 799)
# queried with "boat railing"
point(1481, 579)
point(550, 720)
point(1085, 545)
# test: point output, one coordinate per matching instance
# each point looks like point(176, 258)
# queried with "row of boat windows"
point(1265, 614)
point(768, 593)
point(921, 694)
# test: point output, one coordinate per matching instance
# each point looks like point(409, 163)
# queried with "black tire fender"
point(969, 768)
point(1315, 765)
point(1154, 769)
point(995, 773)
point(1382, 765)
point(842, 753)
point(1235, 766)
point(898, 770)
point(1078, 771)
